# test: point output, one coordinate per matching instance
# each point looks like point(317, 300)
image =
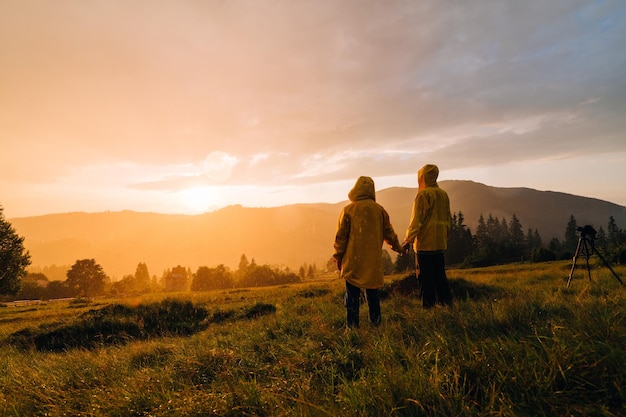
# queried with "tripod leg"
point(606, 264)
point(569, 280)
point(587, 256)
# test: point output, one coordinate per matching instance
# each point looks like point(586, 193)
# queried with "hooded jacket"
point(362, 228)
point(430, 218)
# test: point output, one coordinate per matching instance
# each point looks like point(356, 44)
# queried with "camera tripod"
point(586, 243)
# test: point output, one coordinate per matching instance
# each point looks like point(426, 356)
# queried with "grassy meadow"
point(517, 342)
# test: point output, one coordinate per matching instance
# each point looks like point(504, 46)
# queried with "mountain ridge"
point(289, 235)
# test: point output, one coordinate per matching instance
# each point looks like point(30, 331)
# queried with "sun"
point(197, 199)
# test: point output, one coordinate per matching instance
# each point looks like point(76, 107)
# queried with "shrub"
point(115, 324)
point(542, 255)
point(259, 309)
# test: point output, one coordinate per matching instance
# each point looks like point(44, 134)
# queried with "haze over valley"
point(289, 236)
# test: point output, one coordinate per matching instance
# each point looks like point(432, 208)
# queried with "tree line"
point(87, 278)
point(496, 241)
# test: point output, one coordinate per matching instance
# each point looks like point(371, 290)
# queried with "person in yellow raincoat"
point(362, 228)
point(428, 232)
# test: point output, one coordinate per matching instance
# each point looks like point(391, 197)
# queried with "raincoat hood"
point(427, 175)
point(363, 190)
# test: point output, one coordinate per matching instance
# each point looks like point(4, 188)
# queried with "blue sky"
point(187, 106)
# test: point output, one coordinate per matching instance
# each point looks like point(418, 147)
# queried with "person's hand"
point(397, 247)
point(405, 247)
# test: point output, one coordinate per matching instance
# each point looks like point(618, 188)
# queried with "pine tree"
point(571, 236)
point(601, 239)
point(459, 240)
point(482, 234)
point(538, 242)
point(243, 263)
point(613, 233)
point(503, 232)
point(517, 240)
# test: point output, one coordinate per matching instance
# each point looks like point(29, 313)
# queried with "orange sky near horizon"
point(189, 106)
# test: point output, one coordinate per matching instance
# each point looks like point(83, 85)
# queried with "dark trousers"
point(353, 302)
point(432, 274)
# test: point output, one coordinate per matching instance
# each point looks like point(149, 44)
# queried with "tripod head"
point(587, 232)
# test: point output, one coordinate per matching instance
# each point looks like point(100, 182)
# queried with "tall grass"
point(517, 342)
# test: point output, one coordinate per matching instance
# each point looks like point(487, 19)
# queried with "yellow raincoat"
point(430, 219)
point(362, 228)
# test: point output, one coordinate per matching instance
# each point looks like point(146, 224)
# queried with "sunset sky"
point(187, 106)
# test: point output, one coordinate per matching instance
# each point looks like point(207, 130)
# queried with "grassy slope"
point(516, 343)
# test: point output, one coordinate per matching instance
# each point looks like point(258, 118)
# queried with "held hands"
point(405, 247)
point(402, 249)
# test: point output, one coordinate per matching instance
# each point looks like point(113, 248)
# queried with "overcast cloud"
point(112, 99)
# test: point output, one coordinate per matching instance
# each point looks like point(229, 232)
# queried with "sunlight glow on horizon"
point(198, 199)
point(237, 103)
point(111, 192)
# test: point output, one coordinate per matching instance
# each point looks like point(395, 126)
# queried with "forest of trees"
point(496, 241)
point(86, 278)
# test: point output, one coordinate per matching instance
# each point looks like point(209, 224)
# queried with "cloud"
point(218, 166)
point(201, 93)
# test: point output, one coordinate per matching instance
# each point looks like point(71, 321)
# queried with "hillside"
point(546, 211)
point(289, 235)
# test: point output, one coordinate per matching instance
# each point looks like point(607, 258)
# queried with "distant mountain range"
point(284, 236)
